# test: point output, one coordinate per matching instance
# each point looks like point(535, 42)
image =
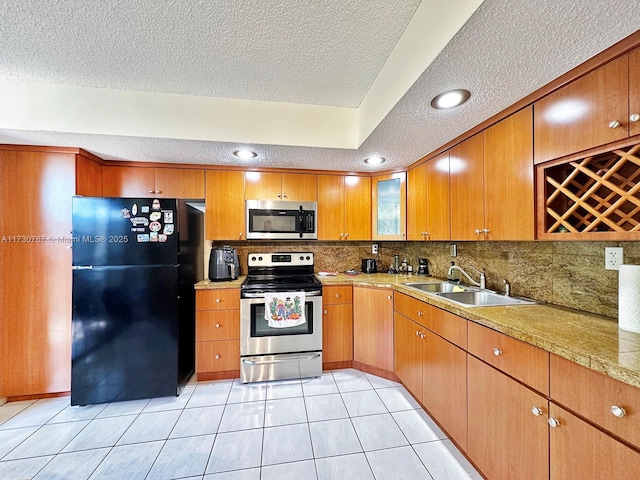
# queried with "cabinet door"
point(179, 183)
point(300, 187)
point(373, 327)
point(467, 189)
point(128, 181)
point(357, 210)
point(417, 203)
point(579, 450)
point(88, 177)
point(407, 339)
point(577, 116)
point(438, 198)
point(337, 333)
point(225, 211)
point(505, 439)
point(444, 390)
point(35, 298)
point(263, 186)
point(330, 207)
point(389, 201)
point(634, 92)
point(508, 178)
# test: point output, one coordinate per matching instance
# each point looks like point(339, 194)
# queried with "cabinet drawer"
point(223, 299)
point(592, 395)
point(411, 308)
point(523, 362)
point(337, 294)
point(217, 325)
point(448, 325)
point(217, 356)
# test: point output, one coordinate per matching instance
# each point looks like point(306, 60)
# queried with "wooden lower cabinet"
point(217, 333)
point(337, 324)
point(580, 451)
point(505, 439)
point(444, 385)
point(408, 352)
point(373, 327)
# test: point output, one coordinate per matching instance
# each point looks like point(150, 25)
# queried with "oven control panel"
point(288, 259)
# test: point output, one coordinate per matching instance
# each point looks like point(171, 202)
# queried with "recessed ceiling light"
point(374, 160)
point(245, 154)
point(450, 99)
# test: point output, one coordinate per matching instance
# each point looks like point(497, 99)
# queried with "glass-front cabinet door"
point(389, 201)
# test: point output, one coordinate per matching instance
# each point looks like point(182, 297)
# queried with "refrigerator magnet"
point(168, 229)
point(155, 226)
point(168, 216)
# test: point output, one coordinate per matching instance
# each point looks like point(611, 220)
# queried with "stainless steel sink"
point(438, 287)
point(484, 299)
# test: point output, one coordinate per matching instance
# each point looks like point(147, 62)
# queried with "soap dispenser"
point(453, 275)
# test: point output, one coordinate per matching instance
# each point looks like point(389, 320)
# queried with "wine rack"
point(595, 196)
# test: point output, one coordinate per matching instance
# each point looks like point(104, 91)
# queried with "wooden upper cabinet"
point(179, 183)
point(225, 212)
point(128, 181)
point(389, 207)
point(634, 92)
point(579, 115)
point(344, 207)
point(438, 198)
point(509, 178)
point(88, 177)
point(467, 189)
point(331, 207)
point(299, 187)
point(417, 203)
point(158, 182)
point(357, 213)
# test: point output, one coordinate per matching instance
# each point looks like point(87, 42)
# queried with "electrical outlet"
point(613, 257)
point(374, 248)
point(453, 250)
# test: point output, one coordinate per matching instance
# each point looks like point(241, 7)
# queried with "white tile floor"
point(343, 425)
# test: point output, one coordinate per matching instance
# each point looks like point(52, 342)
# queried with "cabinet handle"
point(217, 300)
point(478, 231)
point(485, 231)
point(217, 325)
point(388, 297)
point(554, 422)
point(337, 295)
point(537, 411)
point(618, 411)
point(497, 352)
point(325, 311)
point(279, 195)
point(634, 117)
point(218, 356)
point(151, 191)
point(614, 124)
point(419, 313)
point(240, 236)
point(417, 333)
point(346, 236)
point(284, 195)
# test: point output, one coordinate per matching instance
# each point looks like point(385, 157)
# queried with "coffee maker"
point(423, 267)
point(223, 264)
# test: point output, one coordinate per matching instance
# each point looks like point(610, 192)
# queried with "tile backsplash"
point(569, 274)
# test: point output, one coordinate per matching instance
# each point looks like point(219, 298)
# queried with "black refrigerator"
point(135, 262)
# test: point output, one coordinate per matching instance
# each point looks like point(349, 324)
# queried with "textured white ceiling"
point(505, 51)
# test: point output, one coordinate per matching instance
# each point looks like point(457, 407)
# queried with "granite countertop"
point(593, 341)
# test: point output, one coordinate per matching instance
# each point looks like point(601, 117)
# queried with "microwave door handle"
point(301, 221)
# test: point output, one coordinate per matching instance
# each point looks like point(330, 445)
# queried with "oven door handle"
point(284, 359)
point(313, 293)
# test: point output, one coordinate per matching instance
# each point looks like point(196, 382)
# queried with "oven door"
point(258, 338)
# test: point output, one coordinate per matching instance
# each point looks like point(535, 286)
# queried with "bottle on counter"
point(454, 276)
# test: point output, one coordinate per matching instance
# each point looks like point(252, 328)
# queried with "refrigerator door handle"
point(82, 267)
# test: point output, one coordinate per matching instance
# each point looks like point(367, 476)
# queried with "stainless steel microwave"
point(267, 220)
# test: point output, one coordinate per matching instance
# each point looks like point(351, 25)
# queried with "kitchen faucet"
point(483, 280)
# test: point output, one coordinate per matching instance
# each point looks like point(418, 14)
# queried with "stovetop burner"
point(280, 272)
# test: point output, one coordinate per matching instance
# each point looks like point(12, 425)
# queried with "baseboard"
point(225, 375)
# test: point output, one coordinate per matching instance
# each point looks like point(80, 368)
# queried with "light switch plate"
point(613, 257)
point(374, 248)
point(453, 250)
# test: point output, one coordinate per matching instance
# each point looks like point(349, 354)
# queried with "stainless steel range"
point(272, 349)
